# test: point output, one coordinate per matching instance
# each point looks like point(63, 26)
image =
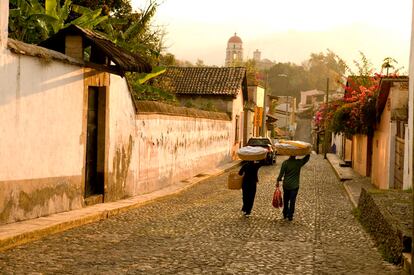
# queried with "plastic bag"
point(277, 198)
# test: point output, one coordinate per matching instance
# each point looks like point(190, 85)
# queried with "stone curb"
point(350, 196)
point(14, 234)
point(343, 173)
point(342, 176)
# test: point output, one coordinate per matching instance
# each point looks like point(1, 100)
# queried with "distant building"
point(234, 51)
point(261, 64)
point(310, 99)
point(257, 55)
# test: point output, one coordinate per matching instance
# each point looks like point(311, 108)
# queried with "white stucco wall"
point(122, 160)
point(4, 17)
point(151, 151)
point(41, 109)
point(170, 149)
point(41, 156)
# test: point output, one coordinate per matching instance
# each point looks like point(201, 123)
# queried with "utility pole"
point(325, 139)
point(264, 130)
point(287, 116)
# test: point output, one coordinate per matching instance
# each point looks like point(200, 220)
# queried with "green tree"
point(28, 21)
point(135, 32)
point(31, 22)
point(290, 79)
point(322, 66)
point(200, 63)
point(118, 7)
point(388, 63)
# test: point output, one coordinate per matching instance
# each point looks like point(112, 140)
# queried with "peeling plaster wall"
point(121, 139)
point(41, 152)
point(170, 149)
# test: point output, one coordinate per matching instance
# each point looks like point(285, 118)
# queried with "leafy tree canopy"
point(290, 78)
point(118, 7)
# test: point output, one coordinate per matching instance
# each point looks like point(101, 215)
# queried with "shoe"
point(246, 214)
point(290, 219)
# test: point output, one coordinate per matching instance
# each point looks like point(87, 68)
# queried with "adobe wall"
point(170, 149)
point(41, 152)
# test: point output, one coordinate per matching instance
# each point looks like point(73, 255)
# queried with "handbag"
point(234, 181)
point(277, 198)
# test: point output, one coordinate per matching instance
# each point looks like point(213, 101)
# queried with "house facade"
point(382, 155)
point(254, 110)
point(310, 99)
point(389, 148)
point(222, 89)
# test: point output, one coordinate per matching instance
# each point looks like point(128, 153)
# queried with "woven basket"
point(293, 151)
point(293, 148)
point(252, 157)
point(234, 181)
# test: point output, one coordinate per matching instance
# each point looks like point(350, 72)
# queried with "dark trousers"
point(249, 193)
point(289, 200)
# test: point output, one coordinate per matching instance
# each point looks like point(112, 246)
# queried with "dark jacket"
point(290, 172)
point(250, 170)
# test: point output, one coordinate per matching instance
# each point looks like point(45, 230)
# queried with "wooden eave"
point(124, 61)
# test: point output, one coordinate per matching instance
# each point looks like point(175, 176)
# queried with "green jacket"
point(290, 172)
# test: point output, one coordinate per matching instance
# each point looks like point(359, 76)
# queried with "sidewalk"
point(351, 180)
point(15, 234)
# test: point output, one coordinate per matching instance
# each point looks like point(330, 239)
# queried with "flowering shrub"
point(326, 112)
point(355, 113)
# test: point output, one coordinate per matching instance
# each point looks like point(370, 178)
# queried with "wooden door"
point(95, 147)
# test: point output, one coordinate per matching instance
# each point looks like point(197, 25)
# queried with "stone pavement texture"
point(18, 233)
point(201, 231)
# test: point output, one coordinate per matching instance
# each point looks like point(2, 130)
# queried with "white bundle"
point(252, 150)
point(252, 153)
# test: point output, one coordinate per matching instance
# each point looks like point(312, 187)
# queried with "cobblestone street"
point(202, 231)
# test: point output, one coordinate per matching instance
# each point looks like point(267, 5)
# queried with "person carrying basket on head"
point(250, 171)
point(290, 173)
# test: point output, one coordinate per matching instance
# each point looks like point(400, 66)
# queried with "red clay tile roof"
point(205, 80)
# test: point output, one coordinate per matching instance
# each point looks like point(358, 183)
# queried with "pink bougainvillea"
point(355, 112)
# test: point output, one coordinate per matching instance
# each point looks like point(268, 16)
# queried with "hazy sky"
point(289, 30)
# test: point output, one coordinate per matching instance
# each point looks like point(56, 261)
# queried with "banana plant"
point(144, 77)
point(28, 21)
point(31, 22)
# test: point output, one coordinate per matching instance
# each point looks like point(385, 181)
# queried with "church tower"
point(257, 56)
point(234, 52)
